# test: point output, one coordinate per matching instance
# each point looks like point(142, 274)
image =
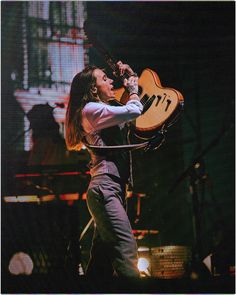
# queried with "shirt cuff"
point(136, 102)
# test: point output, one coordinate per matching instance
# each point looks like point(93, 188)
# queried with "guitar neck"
point(113, 65)
point(110, 61)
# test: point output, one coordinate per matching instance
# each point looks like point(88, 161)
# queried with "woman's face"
point(104, 86)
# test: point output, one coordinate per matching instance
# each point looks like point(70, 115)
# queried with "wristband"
point(133, 94)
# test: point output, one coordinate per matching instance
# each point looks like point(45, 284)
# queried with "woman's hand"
point(131, 85)
point(124, 68)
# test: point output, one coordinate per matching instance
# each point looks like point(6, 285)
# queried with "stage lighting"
point(143, 266)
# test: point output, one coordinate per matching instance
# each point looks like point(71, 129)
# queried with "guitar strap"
point(118, 148)
point(152, 144)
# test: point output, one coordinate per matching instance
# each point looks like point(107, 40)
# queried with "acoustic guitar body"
point(162, 105)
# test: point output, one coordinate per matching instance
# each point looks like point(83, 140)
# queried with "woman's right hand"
point(131, 85)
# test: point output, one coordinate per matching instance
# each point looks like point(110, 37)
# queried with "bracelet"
point(134, 75)
point(133, 93)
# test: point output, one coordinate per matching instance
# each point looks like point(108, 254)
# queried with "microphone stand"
point(196, 172)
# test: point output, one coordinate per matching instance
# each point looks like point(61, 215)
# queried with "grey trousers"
point(114, 249)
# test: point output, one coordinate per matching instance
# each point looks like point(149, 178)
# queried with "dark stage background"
point(190, 45)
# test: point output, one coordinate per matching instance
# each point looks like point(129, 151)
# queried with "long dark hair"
point(80, 94)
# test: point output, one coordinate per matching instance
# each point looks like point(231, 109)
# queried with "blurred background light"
point(21, 264)
point(143, 266)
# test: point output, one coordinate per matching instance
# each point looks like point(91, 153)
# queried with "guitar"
point(161, 105)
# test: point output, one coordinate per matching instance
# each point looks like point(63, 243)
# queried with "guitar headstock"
point(109, 59)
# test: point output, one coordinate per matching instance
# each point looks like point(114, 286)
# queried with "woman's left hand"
point(124, 68)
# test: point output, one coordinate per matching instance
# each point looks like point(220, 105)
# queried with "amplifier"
point(169, 262)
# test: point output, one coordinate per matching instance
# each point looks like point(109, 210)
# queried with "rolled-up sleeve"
point(96, 116)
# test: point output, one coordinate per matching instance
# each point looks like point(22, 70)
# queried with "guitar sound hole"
point(144, 99)
point(164, 97)
point(168, 104)
point(148, 103)
point(158, 100)
point(140, 90)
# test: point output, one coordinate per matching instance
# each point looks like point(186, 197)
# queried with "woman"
point(91, 120)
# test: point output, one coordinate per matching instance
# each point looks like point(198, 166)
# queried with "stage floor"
point(64, 283)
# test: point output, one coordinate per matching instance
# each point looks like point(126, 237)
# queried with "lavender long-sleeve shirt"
point(97, 116)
